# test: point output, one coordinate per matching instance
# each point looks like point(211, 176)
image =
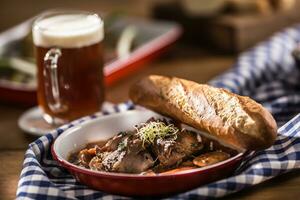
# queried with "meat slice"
point(172, 151)
point(123, 153)
point(113, 143)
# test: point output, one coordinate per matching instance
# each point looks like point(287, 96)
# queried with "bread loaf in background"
point(236, 121)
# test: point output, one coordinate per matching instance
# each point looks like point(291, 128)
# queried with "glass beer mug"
point(69, 56)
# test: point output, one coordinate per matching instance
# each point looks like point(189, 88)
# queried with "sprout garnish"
point(150, 131)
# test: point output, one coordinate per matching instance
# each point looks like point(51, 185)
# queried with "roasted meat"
point(123, 153)
point(152, 147)
point(171, 151)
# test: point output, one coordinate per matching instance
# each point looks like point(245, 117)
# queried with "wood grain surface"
point(181, 61)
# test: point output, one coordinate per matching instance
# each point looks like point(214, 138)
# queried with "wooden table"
point(184, 62)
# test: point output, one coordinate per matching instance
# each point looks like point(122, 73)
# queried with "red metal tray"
point(150, 40)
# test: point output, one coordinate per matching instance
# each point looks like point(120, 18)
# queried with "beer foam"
point(68, 31)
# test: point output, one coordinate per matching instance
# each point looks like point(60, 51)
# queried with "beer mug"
point(69, 56)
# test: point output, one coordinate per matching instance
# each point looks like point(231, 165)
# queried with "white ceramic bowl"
point(105, 127)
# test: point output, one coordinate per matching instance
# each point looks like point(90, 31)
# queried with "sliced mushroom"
point(210, 158)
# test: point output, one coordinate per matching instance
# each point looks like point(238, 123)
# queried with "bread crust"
point(234, 120)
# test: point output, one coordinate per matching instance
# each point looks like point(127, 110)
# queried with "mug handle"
point(50, 61)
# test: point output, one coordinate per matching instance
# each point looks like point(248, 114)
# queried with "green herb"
point(150, 131)
point(122, 145)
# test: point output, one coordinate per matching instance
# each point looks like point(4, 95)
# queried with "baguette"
point(235, 121)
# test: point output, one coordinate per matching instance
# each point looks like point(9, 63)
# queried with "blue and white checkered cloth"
point(266, 73)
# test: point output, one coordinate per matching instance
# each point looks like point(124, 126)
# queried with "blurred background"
point(230, 25)
point(16, 11)
point(213, 33)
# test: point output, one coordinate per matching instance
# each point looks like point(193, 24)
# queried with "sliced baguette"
point(235, 120)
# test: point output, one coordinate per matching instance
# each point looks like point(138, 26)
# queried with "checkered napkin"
point(267, 73)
